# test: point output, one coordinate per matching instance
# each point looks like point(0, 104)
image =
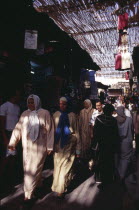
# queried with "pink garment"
point(127, 75)
point(118, 61)
point(123, 21)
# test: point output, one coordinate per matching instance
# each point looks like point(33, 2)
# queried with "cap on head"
point(63, 99)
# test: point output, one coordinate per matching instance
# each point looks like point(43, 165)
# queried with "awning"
point(93, 24)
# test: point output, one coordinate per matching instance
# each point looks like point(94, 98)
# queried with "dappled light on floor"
point(85, 196)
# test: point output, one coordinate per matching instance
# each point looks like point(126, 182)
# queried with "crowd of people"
point(101, 136)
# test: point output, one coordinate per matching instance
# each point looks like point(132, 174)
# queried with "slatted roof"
point(93, 24)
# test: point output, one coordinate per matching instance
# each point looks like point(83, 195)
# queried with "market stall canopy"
point(93, 24)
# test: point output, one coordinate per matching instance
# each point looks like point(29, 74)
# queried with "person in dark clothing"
point(106, 137)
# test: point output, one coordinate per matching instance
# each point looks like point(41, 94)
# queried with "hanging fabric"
point(125, 60)
point(127, 75)
point(118, 61)
point(124, 40)
point(123, 21)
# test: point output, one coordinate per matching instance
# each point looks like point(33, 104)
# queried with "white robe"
point(64, 157)
point(34, 153)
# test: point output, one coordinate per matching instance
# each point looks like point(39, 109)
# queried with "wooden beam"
point(101, 30)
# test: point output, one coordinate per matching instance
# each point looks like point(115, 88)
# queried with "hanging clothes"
point(127, 75)
point(124, 39)
point(84, 78)
point(119, 40)
point(118, 61)
point(123, 21)
point(84, 75)
point(91, 74)
point(125, 60)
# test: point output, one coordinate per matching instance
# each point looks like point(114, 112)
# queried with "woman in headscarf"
point(85, 129)
point(36, 129)
point(125, 128)
point(67, 145)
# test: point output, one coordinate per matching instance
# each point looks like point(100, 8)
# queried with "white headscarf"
point(89, 103)
point(34, 124)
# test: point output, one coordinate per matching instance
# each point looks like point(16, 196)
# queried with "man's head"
point(87, 104)
point(31, 104)
point(121, 98)
point(14, 97)
point(63, 104)
point(99, 106)
point(108, 109)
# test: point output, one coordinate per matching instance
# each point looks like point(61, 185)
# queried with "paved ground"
point(85, 196)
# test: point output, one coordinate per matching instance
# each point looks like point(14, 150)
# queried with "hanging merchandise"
point(94, 90)
point(125, 60)
point(30, 39)
point(127, 75)
point(123, 40)
point(91, 75)
point(87, 77)
point(84, 79)
point(122, 21)
point(87, 83)
point(123, 57)
point(118, 61)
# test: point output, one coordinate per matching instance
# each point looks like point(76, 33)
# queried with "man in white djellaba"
point(66, 149)
point(36, 129)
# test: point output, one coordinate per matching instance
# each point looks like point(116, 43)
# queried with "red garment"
point(127, 75)
point(118, 61)
point(119, 41)
point(122, 21)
